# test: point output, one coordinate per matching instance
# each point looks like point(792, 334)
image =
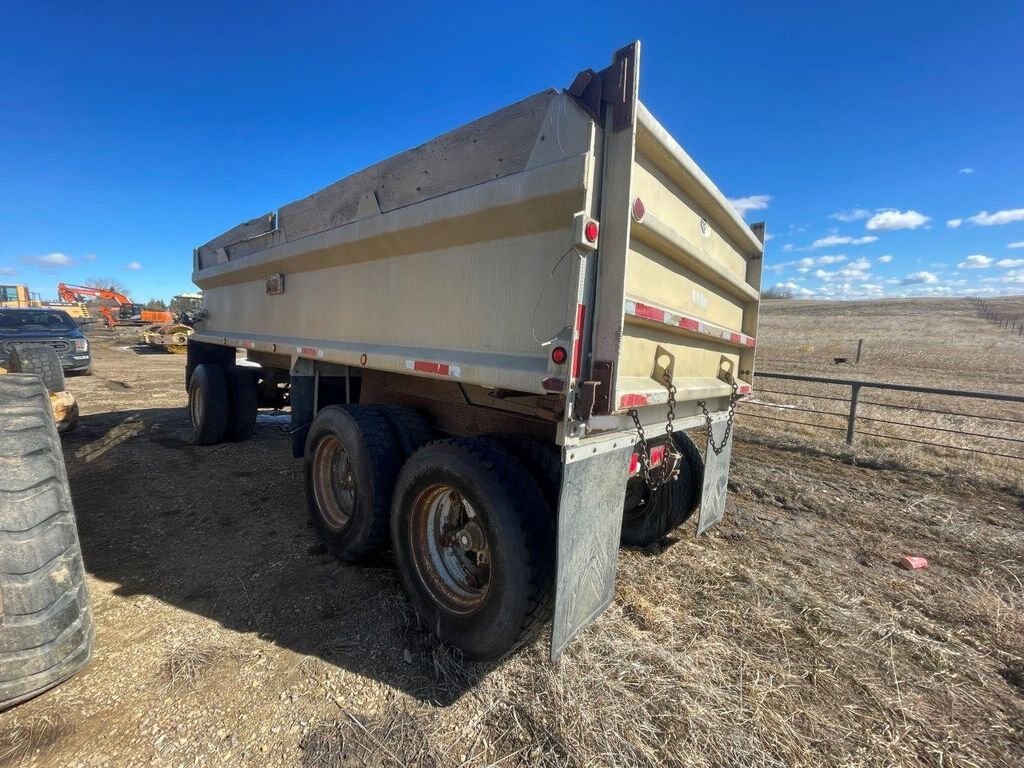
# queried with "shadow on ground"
point(221, 531)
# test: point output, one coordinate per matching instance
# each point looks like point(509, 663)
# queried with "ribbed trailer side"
point(447, 260)
point(692, 279)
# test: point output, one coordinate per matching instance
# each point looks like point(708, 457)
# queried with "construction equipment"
point(560, 289)
point(19, 296)
point(128, 312)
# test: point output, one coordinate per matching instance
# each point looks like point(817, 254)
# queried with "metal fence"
point(955, 429)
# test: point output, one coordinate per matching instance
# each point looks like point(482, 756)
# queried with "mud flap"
point(589, 527)
point(716, 481)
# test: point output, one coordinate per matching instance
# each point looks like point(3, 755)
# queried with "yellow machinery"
point(14, 296)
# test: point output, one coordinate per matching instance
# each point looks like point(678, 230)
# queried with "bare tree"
point(107, 284)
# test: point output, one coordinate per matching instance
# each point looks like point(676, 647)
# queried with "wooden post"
point(851, 424)
point(860, 346)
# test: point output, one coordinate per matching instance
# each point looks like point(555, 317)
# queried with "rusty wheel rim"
point(334, 487)
point(450, 550)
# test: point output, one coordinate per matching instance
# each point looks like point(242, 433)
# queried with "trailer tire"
point(208, 404)
point(541, 459)
point(410, 427)
point(42, 361)
point(350, 526)
point(668, 507)
point(46, 628)
point(242, 404)
point(485, 622)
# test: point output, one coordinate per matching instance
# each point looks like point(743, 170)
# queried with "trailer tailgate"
point(681, 273)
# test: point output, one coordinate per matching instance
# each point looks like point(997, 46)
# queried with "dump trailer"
point(491, 346)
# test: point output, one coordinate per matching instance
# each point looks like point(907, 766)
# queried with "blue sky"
point(862, 132)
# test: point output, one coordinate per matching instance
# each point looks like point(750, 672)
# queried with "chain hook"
point(673, 458)
point(733, 399)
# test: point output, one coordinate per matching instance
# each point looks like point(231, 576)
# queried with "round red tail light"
point(590, 231)
point(639, 209)
point(559, 355)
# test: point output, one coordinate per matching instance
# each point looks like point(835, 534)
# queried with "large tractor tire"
point(650, 516)
point(474, 540)
point(45, 623)
point(350, 465)
point(40, 360)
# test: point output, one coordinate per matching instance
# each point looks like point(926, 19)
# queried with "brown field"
point(944, 343)
point(788, 636)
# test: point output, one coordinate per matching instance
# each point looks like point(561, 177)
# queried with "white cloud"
point(919, 277)
point(986, 219)
point(8, 271)
point(884, 259)
point(1018, 244)
point(134, 266)
point(1007, 263)
point(852, 271)
point(976, 261)
point(744, 205)
point(788, 248)
point(954, 223)
point(859, 264)
point(50, 261)
point(893, 219)
point(853, 214)
point(830, 240)
point(965, 171)
point(768, 236)
point(832, 259)
point(90, 257)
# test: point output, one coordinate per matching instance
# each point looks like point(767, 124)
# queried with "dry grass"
point(944, 343)
point(31, 737)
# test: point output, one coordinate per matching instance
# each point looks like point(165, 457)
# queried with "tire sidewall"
point(209, 382)
point(348, 542)
point(491, 629)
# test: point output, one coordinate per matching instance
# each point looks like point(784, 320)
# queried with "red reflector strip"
point(310, 351)
point(553, 384)
point(687, 323)
point(577, 343)
point(657, 456)
point(632, 401)
point(248, 345)
point(430, 366)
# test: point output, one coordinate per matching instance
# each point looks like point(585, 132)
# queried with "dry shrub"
point(395, 740)
point(189, 661)
point(24, 737)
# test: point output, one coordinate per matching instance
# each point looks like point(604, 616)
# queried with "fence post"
point(860, 346)
point(851, 425)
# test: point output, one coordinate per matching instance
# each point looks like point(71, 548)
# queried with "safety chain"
point(733, 399)
point(671, 462)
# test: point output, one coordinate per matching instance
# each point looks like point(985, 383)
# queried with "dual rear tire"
point(470, 530)
point(222, 403)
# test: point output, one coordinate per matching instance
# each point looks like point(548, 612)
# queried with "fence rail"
point(852, 402)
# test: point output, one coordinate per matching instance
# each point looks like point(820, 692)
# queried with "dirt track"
point(226, 636)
